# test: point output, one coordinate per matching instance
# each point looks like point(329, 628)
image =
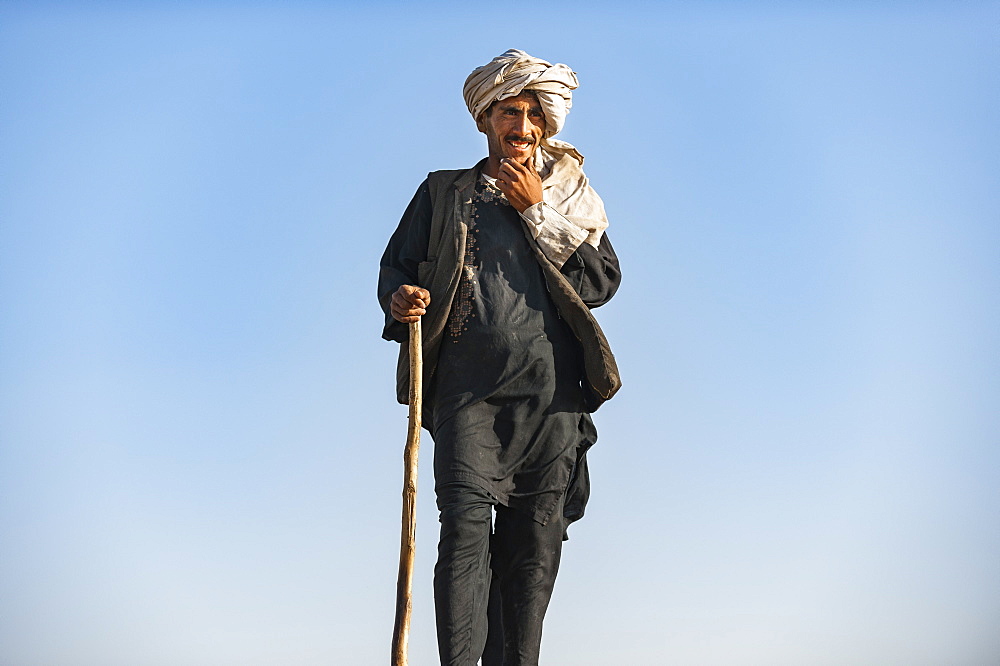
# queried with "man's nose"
point(524, 124)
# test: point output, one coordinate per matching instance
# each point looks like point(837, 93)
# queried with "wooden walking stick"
point(407, 545)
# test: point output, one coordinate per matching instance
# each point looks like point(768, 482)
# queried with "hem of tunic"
point(539, 515)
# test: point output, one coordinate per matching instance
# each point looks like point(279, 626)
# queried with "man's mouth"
point(519, 144)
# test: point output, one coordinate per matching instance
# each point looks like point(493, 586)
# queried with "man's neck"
point(492, 166)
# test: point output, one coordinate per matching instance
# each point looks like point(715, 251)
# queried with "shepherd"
point(502, 264)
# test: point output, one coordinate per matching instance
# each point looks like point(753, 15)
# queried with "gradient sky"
point(200, 450)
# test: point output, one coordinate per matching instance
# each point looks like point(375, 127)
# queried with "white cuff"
point(557, 236)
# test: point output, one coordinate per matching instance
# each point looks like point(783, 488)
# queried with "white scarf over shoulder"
point(564, 185)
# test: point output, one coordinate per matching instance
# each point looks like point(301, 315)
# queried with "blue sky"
point(200, 452)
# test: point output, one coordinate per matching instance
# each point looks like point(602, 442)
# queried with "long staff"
point(407, 544)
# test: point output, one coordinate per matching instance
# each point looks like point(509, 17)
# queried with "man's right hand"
point(409, 303)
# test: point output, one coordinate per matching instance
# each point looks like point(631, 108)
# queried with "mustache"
point(518, 137)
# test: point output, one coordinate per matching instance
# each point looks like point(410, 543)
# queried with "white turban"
point(508, 74)
point(564, 185)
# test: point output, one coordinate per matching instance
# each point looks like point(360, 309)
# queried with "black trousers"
point(492, 584)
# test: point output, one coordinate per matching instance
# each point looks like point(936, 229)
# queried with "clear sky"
point(200, 450)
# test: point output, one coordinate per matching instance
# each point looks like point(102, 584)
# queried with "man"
point(503, 262)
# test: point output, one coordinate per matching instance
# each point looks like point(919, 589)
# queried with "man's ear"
point(481, 122)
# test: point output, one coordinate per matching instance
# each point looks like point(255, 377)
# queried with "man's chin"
point(520, 156)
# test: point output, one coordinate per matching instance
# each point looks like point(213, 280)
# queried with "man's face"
point(514, 127)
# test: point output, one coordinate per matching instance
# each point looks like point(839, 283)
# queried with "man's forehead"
point(525, 98)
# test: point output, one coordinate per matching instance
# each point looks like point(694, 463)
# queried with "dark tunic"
point(505, 407)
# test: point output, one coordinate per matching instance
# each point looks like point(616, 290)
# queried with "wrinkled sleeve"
point(406, 249)
point(557, 236)
point(594, 272)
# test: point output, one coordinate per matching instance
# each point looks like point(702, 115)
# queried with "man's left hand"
point(521, 184)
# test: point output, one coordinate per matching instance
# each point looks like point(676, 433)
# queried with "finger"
point(516, 167)
point(410, 309)
point(526, 168)
point(396, 313)
point(416, 301)
point(410, 296)
point(402, 303)
point(403, 319)
point(508, 176)
point(406, 314)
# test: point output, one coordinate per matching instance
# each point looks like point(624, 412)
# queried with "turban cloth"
point(564, 185)
point(514, 71)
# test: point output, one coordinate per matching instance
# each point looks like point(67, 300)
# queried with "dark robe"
point(505, 406)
